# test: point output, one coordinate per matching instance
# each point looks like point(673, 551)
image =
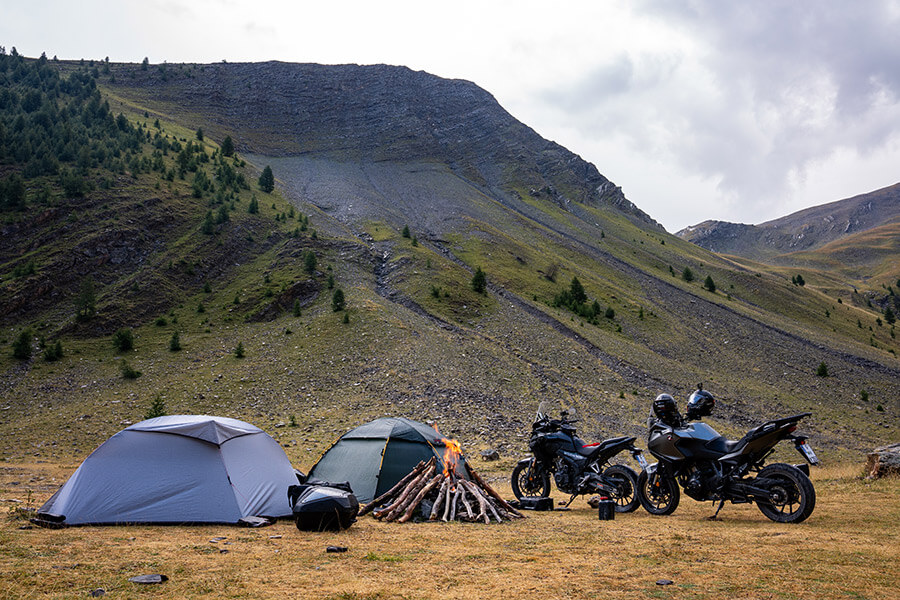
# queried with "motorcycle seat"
point(591, 449)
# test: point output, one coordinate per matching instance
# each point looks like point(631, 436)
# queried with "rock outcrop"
point(883, 461)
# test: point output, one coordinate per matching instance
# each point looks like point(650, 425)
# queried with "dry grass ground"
point(848, 549)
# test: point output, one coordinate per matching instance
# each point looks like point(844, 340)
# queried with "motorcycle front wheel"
point(526, 481)
point(658, 495)
point(792, 496)
point(625, 481)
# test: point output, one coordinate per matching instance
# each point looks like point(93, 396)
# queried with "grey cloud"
point(777, 86)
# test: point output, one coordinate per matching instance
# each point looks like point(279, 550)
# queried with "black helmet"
point(666, 410)
point(700, 404)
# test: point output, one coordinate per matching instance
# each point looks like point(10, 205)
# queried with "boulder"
point(884, 461)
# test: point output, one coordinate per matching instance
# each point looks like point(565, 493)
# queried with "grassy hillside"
point(414, 338)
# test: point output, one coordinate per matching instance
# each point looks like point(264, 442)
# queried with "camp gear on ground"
point(709, 467)
point(578, 468)
point(177, 469)
point(322, 506)
point(375, 456)
point(606, 509)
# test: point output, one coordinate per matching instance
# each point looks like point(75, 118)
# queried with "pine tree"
point(822, 370)
point(239, 350)
point(479, 281)
point(406, 231)
point(297, 307)
point(227, 146)
point(86, 301)
point(253, 207)
point(709, 284)
point(337, 300)
point(687, 274)
point(175, 342)
point(267, 180)
point(577, 291)
point(310, 262)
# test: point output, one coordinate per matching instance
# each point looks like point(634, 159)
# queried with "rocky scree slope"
point(370, 114)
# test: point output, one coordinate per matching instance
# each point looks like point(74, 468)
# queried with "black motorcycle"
point(709, 467)
point(578, 468)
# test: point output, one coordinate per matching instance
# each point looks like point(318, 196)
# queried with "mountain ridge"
point(398, 218)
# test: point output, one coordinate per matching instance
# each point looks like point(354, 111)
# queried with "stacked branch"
point(451, 497)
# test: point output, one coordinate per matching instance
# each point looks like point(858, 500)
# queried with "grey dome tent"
point(177, 469)
point(373, 457)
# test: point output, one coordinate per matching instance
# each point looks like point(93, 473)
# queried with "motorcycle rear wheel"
point(626, 483)
point(793, 496)
point(658, 495)
point(527, 482)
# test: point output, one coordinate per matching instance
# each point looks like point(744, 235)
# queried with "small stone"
point(336, 549)
point(490, 454)
point(98, 592)
point(664, 582)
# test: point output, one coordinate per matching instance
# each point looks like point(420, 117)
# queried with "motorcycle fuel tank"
point(696, 440)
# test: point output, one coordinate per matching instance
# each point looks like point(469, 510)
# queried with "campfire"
point(449, 496)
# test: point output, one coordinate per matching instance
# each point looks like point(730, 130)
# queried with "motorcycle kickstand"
point(572, 499)
point(716, 516)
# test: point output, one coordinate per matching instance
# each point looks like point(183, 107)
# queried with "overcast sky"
point(703, 109)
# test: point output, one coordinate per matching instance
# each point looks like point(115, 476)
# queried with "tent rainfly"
point(373, 457)
point(177, 469)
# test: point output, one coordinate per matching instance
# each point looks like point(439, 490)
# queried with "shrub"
point(22, 346)
point(157, 408)
point(54, 352)
point(709, 284)
point(127, 371)
point(123, 339)
point(297, 307)
point(610, 313)
point(822, 370)
point(687, 274)
point(864, 395)
point(406, 233)
point(239, 350)
point(175, 342)
point(346, 318)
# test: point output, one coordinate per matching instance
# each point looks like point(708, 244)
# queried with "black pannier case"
point(323, 506)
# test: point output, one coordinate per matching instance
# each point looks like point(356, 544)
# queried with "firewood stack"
point(451, 497)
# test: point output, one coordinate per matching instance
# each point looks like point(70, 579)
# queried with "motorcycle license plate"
point(808, 453)
point(642, 461)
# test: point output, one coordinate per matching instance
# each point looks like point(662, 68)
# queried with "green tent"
point(375, 456)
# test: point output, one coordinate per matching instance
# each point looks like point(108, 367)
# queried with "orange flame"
point(452, 453)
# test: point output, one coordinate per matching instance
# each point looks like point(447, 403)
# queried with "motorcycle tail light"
point(792, 429)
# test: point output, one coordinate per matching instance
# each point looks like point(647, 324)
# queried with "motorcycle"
point(710, 467)
point(578, 468)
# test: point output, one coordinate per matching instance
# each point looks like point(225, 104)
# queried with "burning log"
point(451, 496)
